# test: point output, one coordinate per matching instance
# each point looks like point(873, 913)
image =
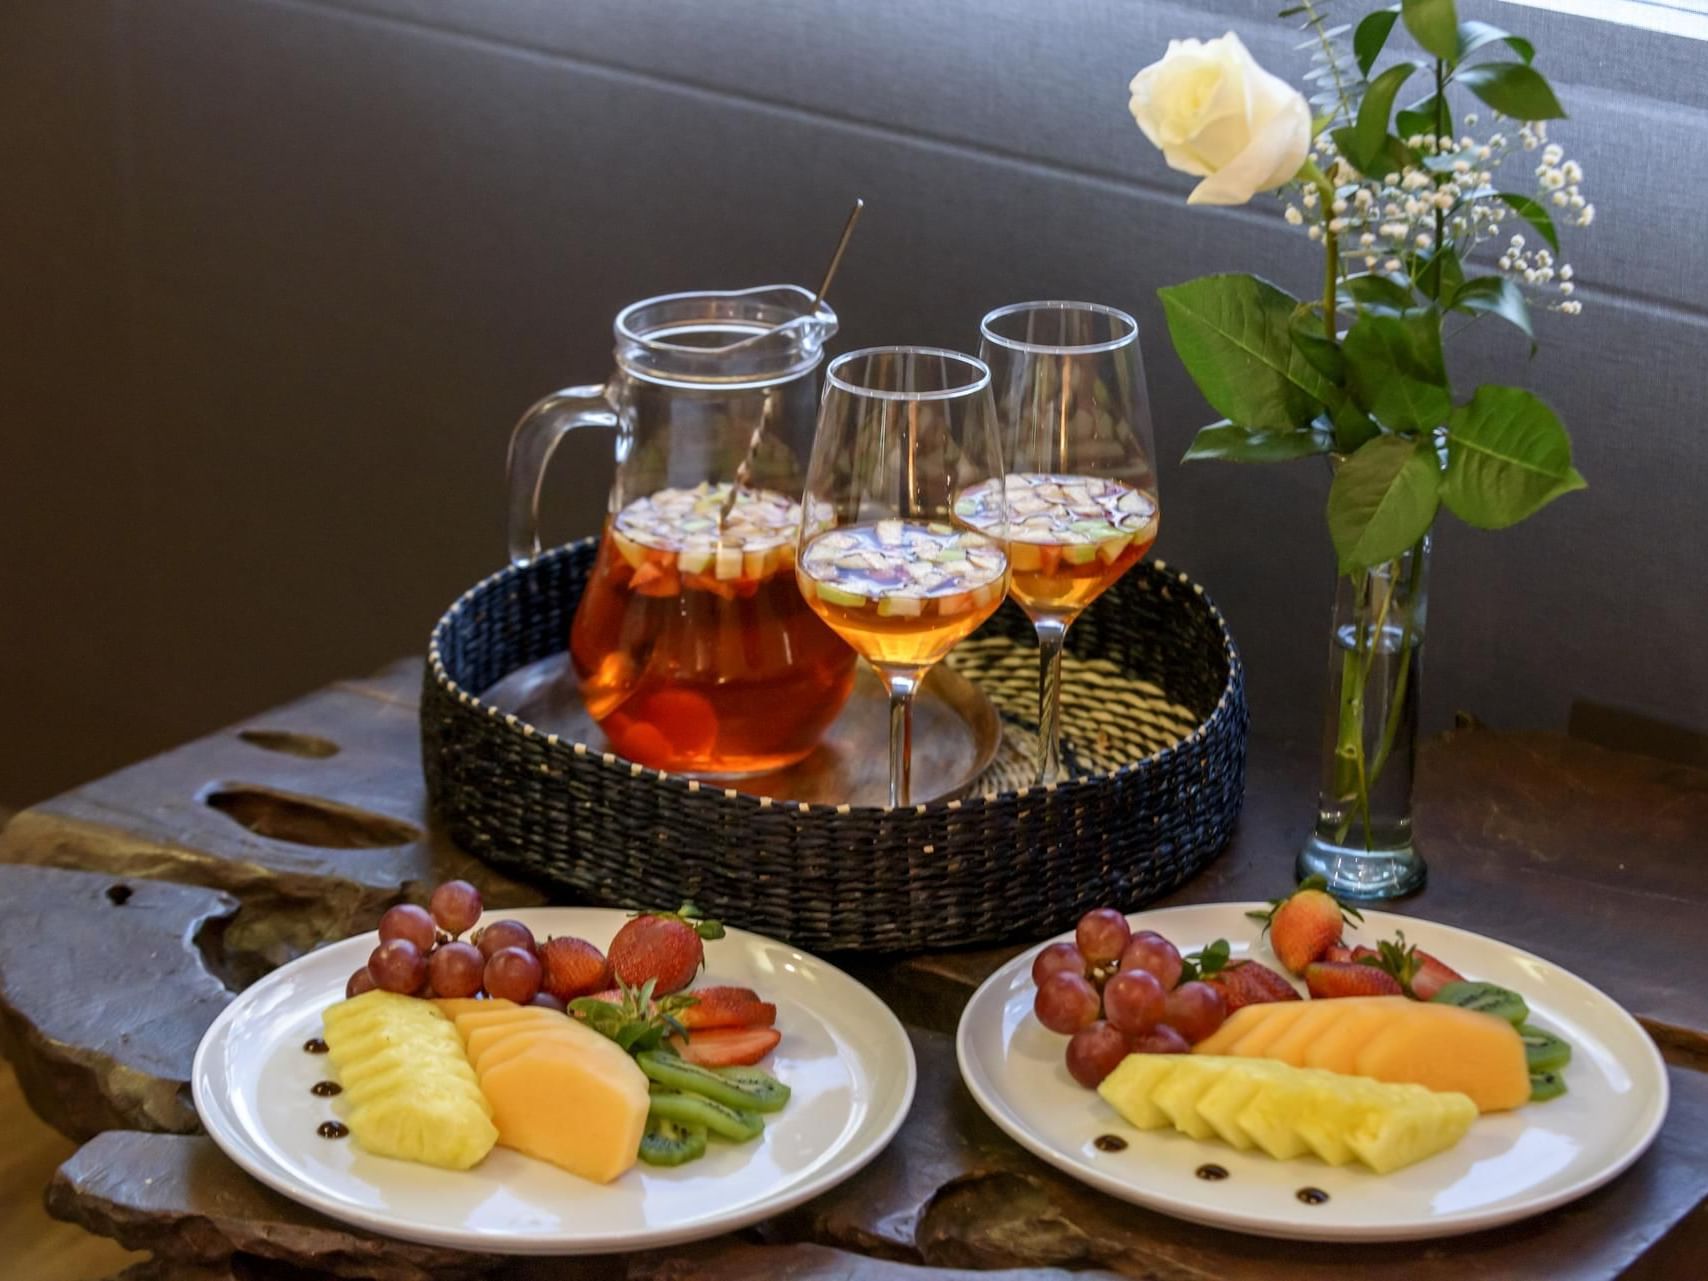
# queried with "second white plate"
point(1510, 1166)
point(843, 1055)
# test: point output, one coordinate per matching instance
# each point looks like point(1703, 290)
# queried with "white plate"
point(843, 1055)
point(1510, 1166)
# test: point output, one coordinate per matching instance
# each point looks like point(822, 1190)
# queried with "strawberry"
point(1328, 979)
point(662, 948)
point(573, 967)
point(727, 1046)
point(1303, 925)
point(1338, 953)
point(1419, 975)
point(726, 1007)
point(1251, 983)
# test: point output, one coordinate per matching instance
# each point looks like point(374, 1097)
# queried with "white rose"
point(1217, 115)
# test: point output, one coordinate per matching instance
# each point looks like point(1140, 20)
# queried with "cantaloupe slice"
point(576, 1100)
point(518, 1040)
point(454, 1006)
point(1441, 1047)
point(477, 1040)
point(1240, 1024)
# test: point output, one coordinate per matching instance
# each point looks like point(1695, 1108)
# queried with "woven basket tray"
point(1154, 726)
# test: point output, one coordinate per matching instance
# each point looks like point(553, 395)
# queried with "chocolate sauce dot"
point(314, 1045)
point(1109, 1143)
point(325, 1089)
point(1214, 1173)
point(1311, 1196)
point(332, 1129)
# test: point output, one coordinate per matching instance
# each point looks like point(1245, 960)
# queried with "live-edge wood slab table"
point(170, 884)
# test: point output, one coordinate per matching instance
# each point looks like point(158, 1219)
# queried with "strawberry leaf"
point(1206, 961)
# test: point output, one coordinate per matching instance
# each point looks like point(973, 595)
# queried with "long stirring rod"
point(744, 472)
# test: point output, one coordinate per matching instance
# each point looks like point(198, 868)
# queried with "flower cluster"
point(1391, 223)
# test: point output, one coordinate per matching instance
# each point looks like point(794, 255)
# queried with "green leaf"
point(1382, 500)
point(1442, 273)
point(1352, 426)
point(1395, 370)
point(1226, 443)
point(1423, 116)
point(1514, 88)
point(1507, 457)
point(1536, 215)
point(1371, 35)
point(1382, 295)
point(1474, 35)
point(1306, 330)
point(1495, 295)
point(1372, 125)
point(1231, 334)
point(1433, 24)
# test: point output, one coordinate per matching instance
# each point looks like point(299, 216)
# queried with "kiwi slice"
point(742, 1088)
point(1485, 998)
point(1546, 1085)
point(698, 1110)
point(667, 1143)
point(1543, 1050)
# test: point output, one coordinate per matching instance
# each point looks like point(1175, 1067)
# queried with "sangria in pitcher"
point(693, 647)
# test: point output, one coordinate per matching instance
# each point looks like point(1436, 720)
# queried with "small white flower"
point(1553, 180)
point(1553, 153)
point(1470, 119)
point(1506, 262)
point(1424, 240)
point(1415, 142)
point(1529, 276)
point(1394, 230)
point(1369, 262)
point(1339, 206)
point(1393, 264)
point(1561, 199)
point(1467, 142)
point(1577, 202)
point(1567, 286)
point(1414, 207)
point(1544, 258)
point(1391, 180)
point(1309, 197)
point(1362, 197)
point(1587, 216)
point(1573, 171)
point(1544, 275)
point(1443, 200)
point(1315, 233)
point(1337, 225)
point(1461, 166)
point(1483, 153)
point(1566, 272)
point(1293, 216)
point(1518, 242)
point(1571, 308)
point(1367, 239)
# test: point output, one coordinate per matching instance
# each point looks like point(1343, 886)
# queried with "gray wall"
point(277, 275)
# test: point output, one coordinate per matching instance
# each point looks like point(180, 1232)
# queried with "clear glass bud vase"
point(1362, 842)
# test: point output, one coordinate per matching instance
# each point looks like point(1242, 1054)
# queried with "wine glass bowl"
point(903, 434)
point(1081, 496)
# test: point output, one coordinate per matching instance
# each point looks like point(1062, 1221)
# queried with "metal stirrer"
point(744, 472)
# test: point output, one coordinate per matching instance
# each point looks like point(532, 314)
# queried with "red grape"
point(361, 981)
point(407, 921)
point(1151, 952)
point(1058, 956)
point(456, 969)
point(1094, 1053)
point(1101, 934)
point(547, 1001)
point(1161, 1039)
point(455, 905)
point(1195, 1010)
point(502, 934)
point(1065, 1002)
point(1133, 1001)
point(513, 974)
point(398, 966)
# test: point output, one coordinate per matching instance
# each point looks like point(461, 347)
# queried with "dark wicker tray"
point(1154, 723)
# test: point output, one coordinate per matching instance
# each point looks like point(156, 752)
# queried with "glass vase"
point(1362, 841)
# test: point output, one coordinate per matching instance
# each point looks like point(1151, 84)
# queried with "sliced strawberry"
point(1418, 973)
point(1329, 979)
point(1339, 952)
point(1432, 975)
point(727, 1046)
point(726, 1007)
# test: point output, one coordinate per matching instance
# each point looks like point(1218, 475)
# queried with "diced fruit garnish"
point(1072, 520)
point(904, 570)
point(1405, 1041)
point(894, 606)
point(831, 594)
point(1288, 1111)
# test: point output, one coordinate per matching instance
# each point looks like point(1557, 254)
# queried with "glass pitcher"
point(693, 648)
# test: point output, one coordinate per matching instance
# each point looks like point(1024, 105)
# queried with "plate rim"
point(237, 1147)
point(1455, 1224)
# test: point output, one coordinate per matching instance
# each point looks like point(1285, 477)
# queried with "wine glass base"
point(1363, 876)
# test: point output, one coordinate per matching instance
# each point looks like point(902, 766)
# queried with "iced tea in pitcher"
point(694, 648)
point(691, 644)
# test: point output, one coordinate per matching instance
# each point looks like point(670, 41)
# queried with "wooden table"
point(172, 883)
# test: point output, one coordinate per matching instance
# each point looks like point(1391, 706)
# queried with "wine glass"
point(1069, 389)
point(903, 434)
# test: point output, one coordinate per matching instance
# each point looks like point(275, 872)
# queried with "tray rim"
point(437, 672)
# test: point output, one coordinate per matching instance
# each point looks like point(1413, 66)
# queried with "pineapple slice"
point(1287, 1111)
point(409, 1090)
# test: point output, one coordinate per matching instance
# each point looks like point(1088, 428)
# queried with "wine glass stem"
point(1051, 633)
point(902, 686)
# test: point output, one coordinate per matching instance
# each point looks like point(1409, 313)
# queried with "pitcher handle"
point(532, 444)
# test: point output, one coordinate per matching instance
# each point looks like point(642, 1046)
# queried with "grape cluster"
point(1117, 993)
point(421, 953)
